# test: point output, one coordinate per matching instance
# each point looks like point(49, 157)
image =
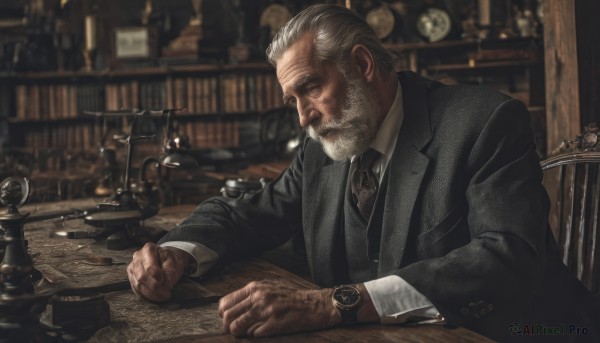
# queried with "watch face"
point(435, 24)
point(346, 297)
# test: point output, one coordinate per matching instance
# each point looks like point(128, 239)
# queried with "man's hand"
point(155, 270)
point(264, 308)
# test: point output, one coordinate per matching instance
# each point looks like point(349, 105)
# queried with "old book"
point(180, 95)
point(227, 93)
point(51, 113)
point(73, 101)
point(169, 96)
point(203, 89)
point(125, 96)
point(191, 95)
point(214, 96)
point(242, 93)
point(66, 104)
point(134, 94)
point(22, 102)
point(251, 91)
point(34, 95)
point(260, 92)
point(111, 102)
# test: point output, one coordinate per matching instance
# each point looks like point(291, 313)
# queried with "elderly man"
point(424, 200)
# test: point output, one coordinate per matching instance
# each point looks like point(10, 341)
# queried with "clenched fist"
point(155, 270)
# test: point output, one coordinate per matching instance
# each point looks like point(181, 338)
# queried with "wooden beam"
point(588, 57)
point(572, 67)
point(562, 75)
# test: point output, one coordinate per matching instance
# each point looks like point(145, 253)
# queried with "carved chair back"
point(572, 179)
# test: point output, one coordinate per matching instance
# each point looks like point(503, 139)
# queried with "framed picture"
point(133, 43)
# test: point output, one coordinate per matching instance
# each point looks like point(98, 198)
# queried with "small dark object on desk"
point(79, 313)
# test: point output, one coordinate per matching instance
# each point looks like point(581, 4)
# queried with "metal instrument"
point(20, 308)
point(118, 217)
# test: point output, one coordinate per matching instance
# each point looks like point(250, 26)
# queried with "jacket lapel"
point(406, 170)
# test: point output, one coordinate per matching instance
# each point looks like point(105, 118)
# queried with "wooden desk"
point(191, 316)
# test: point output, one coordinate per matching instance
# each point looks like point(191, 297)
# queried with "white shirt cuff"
point(396, 302)
point(205, 257)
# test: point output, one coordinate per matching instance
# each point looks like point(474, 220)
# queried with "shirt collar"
point(387, 134)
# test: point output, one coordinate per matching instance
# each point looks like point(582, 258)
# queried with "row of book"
point(58, 101)
point(207, 135)
point(250, 91)
point(71, 137)
point(87, 136)
point(213, 94)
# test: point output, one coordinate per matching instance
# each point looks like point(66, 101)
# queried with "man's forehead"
point(298, 54)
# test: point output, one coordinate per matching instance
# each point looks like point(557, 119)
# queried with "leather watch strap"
point(347, 301)
point(349, 317)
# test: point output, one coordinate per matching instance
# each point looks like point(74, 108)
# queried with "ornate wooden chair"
point(572, 179)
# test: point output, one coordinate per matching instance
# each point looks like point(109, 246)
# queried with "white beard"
point(354, 129)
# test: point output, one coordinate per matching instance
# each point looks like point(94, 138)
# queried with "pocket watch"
point(434, 24)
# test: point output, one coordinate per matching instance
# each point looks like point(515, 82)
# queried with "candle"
point(90, 32)
point(485, 19)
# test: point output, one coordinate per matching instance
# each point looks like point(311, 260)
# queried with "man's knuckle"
point(270, 310)
point(237, 327)
point(227, 316)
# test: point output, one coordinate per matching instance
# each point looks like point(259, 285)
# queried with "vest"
point(362, 240)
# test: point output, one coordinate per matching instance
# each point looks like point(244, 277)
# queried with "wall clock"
point(434, 24)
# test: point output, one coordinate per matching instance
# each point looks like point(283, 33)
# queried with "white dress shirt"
point(395, 300)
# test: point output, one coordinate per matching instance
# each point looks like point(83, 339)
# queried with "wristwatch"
point(347, 301)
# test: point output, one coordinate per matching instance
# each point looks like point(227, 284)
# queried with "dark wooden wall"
point(572, 59)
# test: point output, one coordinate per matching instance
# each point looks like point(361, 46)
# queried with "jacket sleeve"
point(484, 283)
point(246, 226)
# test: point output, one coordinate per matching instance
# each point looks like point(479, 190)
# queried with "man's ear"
point(364, 60)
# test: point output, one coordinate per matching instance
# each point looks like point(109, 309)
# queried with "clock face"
point(434, 24)
point(381, 21)
point(274, 17)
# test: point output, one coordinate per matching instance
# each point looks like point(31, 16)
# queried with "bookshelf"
point(514, 66)
point(49, 138)
point(41, 112)
point(47, 107)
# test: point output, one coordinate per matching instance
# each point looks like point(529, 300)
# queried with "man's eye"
point(313, 91)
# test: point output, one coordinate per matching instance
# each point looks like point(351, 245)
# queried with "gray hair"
point(336, 31)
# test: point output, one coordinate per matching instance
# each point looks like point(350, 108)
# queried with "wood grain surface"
point(191, 314)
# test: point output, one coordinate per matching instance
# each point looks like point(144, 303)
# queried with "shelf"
point(247, 115)
point(217, 116)
point(78, 119)
point(140, 72)
point(465, 43)
point(480, 65)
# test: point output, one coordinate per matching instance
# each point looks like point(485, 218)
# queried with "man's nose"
point(307, 114)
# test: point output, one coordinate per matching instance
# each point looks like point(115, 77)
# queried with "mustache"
point(323, 129)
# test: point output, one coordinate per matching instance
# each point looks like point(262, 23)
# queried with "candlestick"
point(90, 32)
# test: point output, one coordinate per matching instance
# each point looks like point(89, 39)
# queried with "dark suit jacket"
point(464, 219)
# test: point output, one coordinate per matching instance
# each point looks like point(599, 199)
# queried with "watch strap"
point(349, 317)
point(348, 312)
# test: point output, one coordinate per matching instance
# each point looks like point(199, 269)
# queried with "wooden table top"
point(191, 314)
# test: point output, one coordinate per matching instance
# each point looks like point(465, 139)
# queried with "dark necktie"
point(364, 183)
